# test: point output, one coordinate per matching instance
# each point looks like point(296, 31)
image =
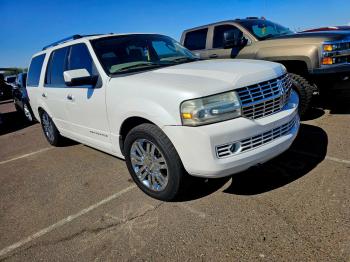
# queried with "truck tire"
point(153, 162)
point(305, 91)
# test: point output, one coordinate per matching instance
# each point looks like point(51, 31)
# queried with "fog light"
point(327, 61)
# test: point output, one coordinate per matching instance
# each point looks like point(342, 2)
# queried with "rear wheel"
point(153, 162)
point(305, 91)
point(50, 130)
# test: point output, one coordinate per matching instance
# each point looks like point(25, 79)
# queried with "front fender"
point(306, 53)
point(151, 111)
point(137, 107)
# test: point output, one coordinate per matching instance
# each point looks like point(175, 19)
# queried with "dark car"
point(20, 97)
point(329, 28)
point(5, 89)
point(11, 80)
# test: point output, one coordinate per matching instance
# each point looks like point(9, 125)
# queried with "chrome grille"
point(255, 141)
point(265, 98)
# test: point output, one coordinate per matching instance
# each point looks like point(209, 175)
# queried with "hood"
point(202, 78)
point(323, 35)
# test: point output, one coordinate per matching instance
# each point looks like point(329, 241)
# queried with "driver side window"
point(218, 40)
point(79, 58)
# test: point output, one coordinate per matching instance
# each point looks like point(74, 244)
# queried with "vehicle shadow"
point(12, 121)
point(313, 113)
point(307, 151)
point(336, 99)
point(338, 103)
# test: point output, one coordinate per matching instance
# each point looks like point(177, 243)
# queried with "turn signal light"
point(328, 48)
point(186, 115)
point(327, 61)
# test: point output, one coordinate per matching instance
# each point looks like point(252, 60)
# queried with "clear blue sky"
point(28, 25)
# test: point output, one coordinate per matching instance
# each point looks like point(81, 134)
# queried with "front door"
point(86, 105)
point(217, 49)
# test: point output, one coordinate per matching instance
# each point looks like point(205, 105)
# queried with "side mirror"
point(197, 55)
point(79, 77)
point(233, 38)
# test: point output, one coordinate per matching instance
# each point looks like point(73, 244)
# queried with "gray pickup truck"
point(314, 60)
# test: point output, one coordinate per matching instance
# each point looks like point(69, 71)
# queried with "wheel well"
point(40, 111)
point(295, 66)
point(127, 125)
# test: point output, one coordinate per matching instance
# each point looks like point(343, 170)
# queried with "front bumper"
point(196, 146)
point(343, 70)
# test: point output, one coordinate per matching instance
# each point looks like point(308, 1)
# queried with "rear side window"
point(218, 41)
point(56, 67)
point(35, 70)
point(79, 58)
point(196, 40)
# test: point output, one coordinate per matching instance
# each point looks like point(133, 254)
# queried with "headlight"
point(210, 109)
point(336, 46)
point(335, 53)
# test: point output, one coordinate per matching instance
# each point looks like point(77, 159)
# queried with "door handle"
point(213, 56)
point(70, 97)
point(44, 95)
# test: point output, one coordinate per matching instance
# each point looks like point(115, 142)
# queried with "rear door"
point(54, 91)
point(86, 105)
point(34, 86)
point(196, 41)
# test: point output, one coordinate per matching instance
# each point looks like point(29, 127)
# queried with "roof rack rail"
point(64, 40)
point(67, 39)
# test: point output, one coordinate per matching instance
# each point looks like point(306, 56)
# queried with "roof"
point(237, 20)
point(88, 37)
point(77, 39)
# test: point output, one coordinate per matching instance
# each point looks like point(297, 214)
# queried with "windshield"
point(10, 79)
point(263, 29)
point(130, 53)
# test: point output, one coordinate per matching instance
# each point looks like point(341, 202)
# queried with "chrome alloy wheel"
point(149, 164)
point(48, 127)
point(27, 113)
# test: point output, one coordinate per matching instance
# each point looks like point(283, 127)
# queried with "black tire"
point(28, 113)
point(175, 169)
point(55, 139)
point(305, 91)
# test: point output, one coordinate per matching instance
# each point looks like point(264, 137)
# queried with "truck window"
point(79, 58)
point(196, 40)
point(55, 68)
point(35, 70)
point(218, 41)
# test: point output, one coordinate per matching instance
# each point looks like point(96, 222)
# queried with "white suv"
point(145, 98)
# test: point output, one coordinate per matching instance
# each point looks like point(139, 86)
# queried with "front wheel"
point(305, 91)
point(153, 162)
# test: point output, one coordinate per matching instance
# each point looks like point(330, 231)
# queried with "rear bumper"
point(196, 146)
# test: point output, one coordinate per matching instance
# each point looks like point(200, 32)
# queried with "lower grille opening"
point(250, 143)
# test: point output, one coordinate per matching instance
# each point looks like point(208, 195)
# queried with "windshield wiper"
point(183, 59)
point(137, 67)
